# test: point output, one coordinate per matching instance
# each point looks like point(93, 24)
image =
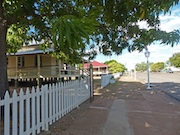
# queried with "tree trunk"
point(3, 58)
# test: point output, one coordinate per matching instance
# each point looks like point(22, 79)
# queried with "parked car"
point(169, 71)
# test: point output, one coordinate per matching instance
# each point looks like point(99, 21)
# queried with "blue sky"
point(158, 53)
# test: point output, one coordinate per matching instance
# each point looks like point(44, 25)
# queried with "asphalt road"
point(159, 77)
point(167, 82)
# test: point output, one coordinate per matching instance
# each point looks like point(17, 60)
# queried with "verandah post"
point(91, 82)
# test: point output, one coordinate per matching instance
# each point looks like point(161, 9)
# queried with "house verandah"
point(31, 64)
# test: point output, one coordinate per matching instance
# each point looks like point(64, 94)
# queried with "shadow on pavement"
point(121, 90)
point(170, 88)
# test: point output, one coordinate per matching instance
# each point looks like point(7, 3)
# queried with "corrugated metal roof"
point(26, 52)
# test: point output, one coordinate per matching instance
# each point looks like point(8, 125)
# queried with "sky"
point(158, 53)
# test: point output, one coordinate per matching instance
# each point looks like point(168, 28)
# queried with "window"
point(36, 61)
point(20, 61)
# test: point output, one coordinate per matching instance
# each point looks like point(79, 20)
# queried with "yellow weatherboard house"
point(31, 63)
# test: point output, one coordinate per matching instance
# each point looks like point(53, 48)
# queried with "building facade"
point(98, 68)
point(33, 64)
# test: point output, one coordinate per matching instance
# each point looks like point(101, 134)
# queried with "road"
point(167, 82)
point(159, 77)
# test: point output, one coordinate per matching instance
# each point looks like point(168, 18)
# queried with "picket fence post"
point(62, 98)
point(38, 109)
point(45, 89)
point(53, 103)
point(76, 94)
point(33, 111)
point(21, 112)
point(42, 108)
point(27, 111)
point(14, 113)
point(6, 114)
point(60, 105)
point(57, 103)
point(50, 104)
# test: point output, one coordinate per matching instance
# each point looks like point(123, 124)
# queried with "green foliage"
point(175, 60)
point(65, 25)
point(141, 67)
point(115, 67)
point(80, 65)
point(156, 67)
point(120, 29)
point(14, 41)
point(16, 37)
point(70, 25)
point(69, 35)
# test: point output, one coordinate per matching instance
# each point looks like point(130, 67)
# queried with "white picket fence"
point(33, 111)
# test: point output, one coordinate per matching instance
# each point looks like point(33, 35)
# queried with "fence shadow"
point(131, 90)
point(121, 90)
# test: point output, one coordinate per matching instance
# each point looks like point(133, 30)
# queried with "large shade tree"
point(75, 25)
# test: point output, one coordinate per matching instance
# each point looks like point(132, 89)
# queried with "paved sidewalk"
point(156, 115)
point(117, 121)
point(123, 108)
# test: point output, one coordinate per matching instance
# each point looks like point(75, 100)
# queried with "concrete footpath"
point(117, 121)
point(123, 108)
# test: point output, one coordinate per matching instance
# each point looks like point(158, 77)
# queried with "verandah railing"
point(36, 109)
point(44, 71)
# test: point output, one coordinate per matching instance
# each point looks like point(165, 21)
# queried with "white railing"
point(45, 71)
point(33, 111)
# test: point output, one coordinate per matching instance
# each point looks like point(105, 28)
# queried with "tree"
point(55, 22)
point(141, 66)
point(115, 67)
point(120, 30)
point(156, 67)
point(175, 60)
point(76, 25)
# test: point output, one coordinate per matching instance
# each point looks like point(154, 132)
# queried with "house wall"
point(46, 60)
point(99, 70)
point(11, 62)
point(29, 61)
point(28, 67)
point(53, 61)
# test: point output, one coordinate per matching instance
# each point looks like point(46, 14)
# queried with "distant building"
point(98, 68)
